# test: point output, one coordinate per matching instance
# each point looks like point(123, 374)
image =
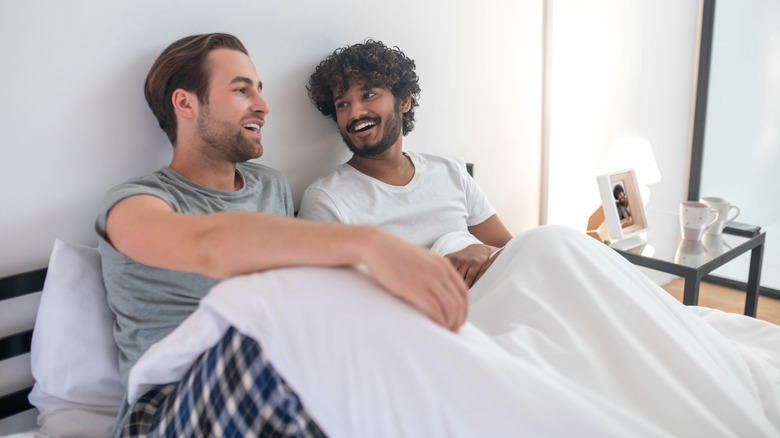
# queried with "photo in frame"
point(624, 210)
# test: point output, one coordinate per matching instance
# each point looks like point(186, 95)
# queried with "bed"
point(61, 374)
point(15, 338)
point(583, 359)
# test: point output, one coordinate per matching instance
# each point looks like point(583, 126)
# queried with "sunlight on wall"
point(594, 80)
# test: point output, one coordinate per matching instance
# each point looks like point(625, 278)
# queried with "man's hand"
point(425, 280)
point(472, 261)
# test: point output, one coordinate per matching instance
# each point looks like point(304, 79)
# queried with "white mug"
point(695, 217)
point(690, 253)
point(724, 207)
point(714, 244)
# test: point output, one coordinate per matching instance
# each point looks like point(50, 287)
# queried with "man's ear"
point(406, 104)
point(185, 104)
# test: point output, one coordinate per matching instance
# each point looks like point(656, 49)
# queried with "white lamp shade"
point(632, 153)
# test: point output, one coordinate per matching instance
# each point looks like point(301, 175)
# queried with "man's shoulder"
point(260, 170)
point(154, 180)
point(151, 184)
point(335, 178)
point(437, 162)
point(436, 159)
point(320, 199)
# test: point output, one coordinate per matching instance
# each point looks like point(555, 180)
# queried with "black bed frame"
point(18, 344)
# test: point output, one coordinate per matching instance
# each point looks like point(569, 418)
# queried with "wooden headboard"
point(20, 291)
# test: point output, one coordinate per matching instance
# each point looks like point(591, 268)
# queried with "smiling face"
point(369, 119)
point(229, 123)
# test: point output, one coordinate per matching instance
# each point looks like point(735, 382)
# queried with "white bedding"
point(565, 338)
point(72, 423)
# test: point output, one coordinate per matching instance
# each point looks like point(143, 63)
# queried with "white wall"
point(620, 68)
point(75, 122)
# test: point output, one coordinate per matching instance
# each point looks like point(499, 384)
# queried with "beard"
point(222, 140)
point(389, 135)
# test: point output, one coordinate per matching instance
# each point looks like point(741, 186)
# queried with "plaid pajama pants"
point(230, 391)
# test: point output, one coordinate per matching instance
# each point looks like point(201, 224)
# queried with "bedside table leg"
point(754, 281)
point(691, 291)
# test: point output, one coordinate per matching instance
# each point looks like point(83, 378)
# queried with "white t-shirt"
point(441, 198)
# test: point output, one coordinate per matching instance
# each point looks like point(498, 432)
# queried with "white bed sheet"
point(564, 338)
point(71, 423)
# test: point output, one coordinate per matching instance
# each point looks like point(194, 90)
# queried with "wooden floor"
point(728, 300)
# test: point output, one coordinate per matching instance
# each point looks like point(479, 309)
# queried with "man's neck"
point(392, 167)
point(216, 176)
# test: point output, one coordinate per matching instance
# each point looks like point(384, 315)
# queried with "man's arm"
point(492, 232)
point(472, 261)
point(221, 245)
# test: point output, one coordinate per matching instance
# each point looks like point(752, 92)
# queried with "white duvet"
point(565, 338)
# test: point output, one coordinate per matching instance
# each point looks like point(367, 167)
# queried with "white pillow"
point(73, 354)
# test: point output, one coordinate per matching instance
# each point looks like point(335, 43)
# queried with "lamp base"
point(636, 243)
point(597, 226)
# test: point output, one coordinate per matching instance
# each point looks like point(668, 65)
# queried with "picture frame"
point(624, 211)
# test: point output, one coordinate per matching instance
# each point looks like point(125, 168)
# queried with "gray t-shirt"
point(149, 302)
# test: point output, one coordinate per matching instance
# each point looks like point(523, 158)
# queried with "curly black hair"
point(371, 62)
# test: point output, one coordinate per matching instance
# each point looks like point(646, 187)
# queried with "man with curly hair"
point(371, 91)
point(561, 304)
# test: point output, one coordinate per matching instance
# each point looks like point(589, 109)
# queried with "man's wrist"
point(365, 244)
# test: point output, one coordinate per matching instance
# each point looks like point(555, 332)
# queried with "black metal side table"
point(666, 251)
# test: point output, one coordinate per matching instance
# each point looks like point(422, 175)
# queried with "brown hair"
point(183, 65)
